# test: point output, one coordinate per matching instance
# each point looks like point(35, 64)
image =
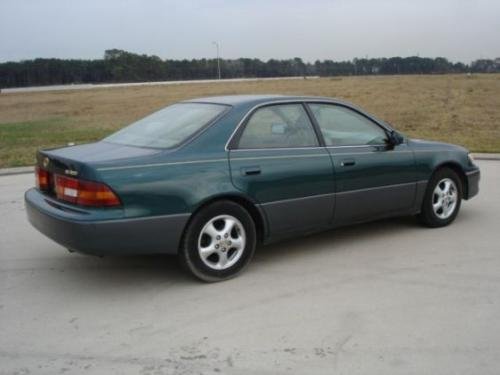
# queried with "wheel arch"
point(457, 168)
point(251, 207)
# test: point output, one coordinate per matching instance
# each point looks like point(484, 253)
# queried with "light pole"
point(218, 58)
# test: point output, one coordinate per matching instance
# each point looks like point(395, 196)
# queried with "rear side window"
point(278, 126)
point(341, 126)
point(169, 126)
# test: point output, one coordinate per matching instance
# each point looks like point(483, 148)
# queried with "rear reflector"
point(85, 193)
point(42, 178)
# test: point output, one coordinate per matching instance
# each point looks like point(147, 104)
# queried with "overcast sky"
point(461, 30)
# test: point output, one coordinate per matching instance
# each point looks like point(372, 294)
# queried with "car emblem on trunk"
point(45, 162)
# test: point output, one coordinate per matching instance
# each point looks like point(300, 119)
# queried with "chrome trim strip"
point(357, 146)
point(370, 152)
point(308, 148)
point(304, 148)
point(162, 164)
point(297, 199)
point(142, 218)
point(381, 187)
point(281, 157)
point(210, 161)
point(472, 173)
point(277, 148)
point(343, 192)
point(416, 150)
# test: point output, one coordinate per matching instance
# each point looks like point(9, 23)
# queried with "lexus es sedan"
point(209, 179)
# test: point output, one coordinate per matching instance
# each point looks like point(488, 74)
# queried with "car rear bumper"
point(473, 178)
point(77, 232)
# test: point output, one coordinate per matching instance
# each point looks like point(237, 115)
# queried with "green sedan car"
point(210, 179)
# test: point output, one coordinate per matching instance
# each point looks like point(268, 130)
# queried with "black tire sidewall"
point(189, 250)
point(427, 215)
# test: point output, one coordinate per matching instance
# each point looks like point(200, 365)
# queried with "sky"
point(460, 30)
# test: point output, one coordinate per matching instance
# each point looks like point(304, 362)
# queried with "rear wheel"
point(219, 242)
point(442, 199)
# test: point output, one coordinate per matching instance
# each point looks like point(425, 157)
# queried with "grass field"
point(452, 108)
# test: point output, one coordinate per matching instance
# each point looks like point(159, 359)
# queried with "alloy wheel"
point(444, 198)
point(221, 242)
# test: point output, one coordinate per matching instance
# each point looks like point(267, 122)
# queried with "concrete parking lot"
point(379, 298)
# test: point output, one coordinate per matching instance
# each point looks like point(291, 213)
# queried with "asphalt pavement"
point(389, 297)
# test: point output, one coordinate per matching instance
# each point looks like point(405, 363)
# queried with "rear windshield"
point(169, 126)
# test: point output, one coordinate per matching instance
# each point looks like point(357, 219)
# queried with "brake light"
point(85, 193)
point(42, 178)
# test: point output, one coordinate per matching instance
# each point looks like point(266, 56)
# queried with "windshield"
point(168, 127)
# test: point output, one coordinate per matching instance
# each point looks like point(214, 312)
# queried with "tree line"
point(122, 66)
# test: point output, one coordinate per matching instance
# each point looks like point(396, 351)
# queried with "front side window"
point(341, 126)
point(169, 126)
point(278, 126)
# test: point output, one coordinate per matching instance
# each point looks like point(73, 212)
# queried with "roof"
point(253, 99)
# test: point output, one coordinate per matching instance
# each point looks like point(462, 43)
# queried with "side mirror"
point(394, 138)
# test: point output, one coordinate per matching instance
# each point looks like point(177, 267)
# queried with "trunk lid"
point(80, 161)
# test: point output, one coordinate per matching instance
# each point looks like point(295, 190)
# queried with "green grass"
point(18, 139)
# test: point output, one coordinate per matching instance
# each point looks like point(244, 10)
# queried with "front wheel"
point(442, 199)
point(219, 242)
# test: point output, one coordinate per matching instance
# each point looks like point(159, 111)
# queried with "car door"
point(373, 179)
point(277, 160)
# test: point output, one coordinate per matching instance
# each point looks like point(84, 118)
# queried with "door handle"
point(250, 171)
point(347, 162)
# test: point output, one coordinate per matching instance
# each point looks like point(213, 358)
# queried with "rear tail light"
point(85, 193)
point(42, 178)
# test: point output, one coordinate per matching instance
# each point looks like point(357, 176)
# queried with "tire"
point(219, 242)
point(432, 214)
